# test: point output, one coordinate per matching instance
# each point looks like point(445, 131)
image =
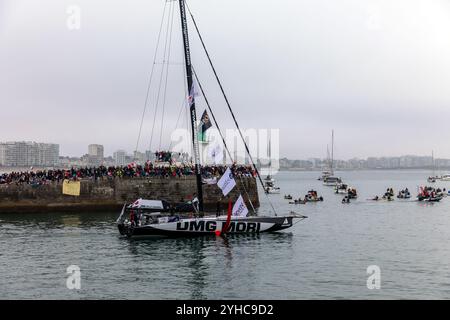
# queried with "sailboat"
point(326, 173)
point(331, 180)
point(269, 180)
point(432, 178)
point(154, 218)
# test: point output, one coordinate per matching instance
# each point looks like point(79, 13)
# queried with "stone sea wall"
point(110, 194)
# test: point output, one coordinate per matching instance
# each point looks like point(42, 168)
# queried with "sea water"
point(329, 255)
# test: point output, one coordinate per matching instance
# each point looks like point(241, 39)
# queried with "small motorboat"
point(269, 187)
point(346, 199)
point(351, 193)
point(331, 181)
point(433, 199)
point(404, 194)
point(297, 201)
point(430, 194)
point(288, 197)
point(389, 192)
point(341, 188)
point(272, 190)
point(325, 174)
point(312, 196)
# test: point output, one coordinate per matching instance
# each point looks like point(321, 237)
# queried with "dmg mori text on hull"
point(210, 226)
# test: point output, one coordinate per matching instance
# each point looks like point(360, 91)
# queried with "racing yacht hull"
point(192, 227)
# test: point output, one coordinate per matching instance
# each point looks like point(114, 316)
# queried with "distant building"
point(95, 154)
point(120, 158)
point(139, 157)
point(25, 154)
point(149, 155)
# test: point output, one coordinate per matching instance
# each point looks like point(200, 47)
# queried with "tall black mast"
point(187, 56)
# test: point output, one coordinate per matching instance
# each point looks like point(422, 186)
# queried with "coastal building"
point(139, 157)
point(95, 154)
point(25, 154)
point(149, 155)
point(120, 157)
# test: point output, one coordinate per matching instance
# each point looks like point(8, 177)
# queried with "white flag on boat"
point(226, 183)
point(239, 208)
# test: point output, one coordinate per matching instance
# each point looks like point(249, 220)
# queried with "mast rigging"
point(193, 114)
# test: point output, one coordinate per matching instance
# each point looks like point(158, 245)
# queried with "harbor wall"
point(111, 193)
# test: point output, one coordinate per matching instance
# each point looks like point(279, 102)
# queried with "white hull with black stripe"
point(190, 227)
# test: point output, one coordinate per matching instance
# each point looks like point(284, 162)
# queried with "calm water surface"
point(324, 256)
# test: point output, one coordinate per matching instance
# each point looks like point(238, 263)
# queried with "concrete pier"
point(111, 193)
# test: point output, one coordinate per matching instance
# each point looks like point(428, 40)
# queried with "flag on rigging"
point(205, 121)
point(193, 92)
point(226, 183)
point(239, 208)
point(205, 124)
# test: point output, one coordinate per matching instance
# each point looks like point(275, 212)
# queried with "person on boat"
point(376, 198)
point(219, 207)
point(407, 194)
point(195, 203)
point(138, 218)
point(132, 218)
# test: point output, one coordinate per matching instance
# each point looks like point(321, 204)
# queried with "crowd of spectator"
point(149, 169)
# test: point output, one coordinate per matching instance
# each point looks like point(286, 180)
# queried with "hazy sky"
point(377, 72)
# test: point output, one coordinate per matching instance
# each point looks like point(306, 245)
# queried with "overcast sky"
point(377, 72)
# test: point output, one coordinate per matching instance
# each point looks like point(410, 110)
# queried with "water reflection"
point(58, 220)
point(202, 263)
point(224, 241)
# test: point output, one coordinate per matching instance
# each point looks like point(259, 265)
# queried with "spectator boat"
point(433, 177)
point(341, 188)
point(332, 181)
point(269, 180)
point(430, 194)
